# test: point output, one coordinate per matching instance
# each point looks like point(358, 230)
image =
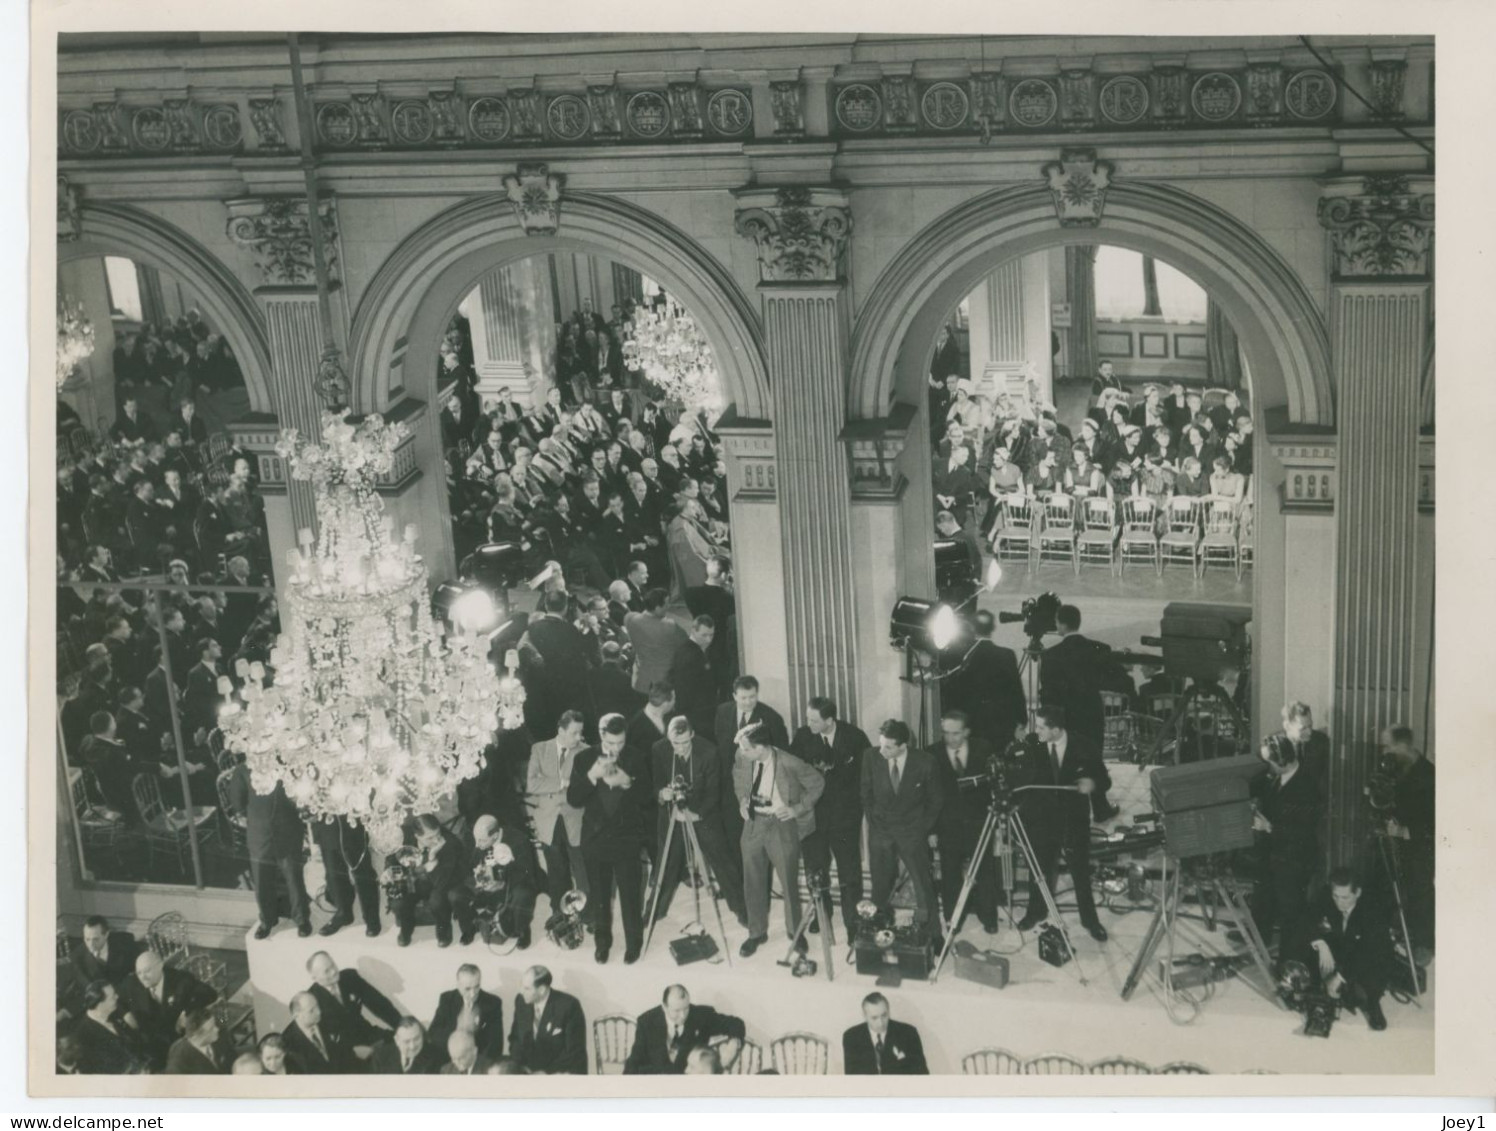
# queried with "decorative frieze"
point(1308, 472)
point(162, 127)
point(749, 447)
point(801, 233)
point(877, 448)
point(1380, 225)
point(535, 193)
point(265, 119)
point(275, 229)
point(1078, 184)
point(786, 103)
point(1387, 77)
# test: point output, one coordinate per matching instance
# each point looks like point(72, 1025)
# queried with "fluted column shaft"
point(295, 349)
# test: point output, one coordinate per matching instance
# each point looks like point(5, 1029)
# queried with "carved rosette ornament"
point(1078, 183)
point(535, 193)
point(1384, 229)
point(275, 229)
point(802, 234)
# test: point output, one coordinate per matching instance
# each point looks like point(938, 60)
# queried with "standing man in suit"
point(744, 710)
point(901, 796)
point(348, 862)
point(406, 1054)
point(346, 1000)
point(963, 813)
point(1411, 826)
point(549, 1035)
point(200, 1050)
point(686, 762)
point(988, 688)
point(274, 840)
point(317, 1051)
point(777, 795)
point(157, 997)
point(881, 1046)
point(1349, 945)
point(1056, 820)
point(665, 1034)
point(558, 824)
point(835, 748)
point(692, 675)
point(469, 1009)
point(1072, 675)
point(655, 637)
point(1292, 801)
point(610, 784)
point(564, 655)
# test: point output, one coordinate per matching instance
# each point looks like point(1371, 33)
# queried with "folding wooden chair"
point(1139, 537)
point(1219, 542)
point(1013, 537)
point(1180, 541)
point(991, 1062)
point(1096, 543)
point(800, 1054)
point(612, 1038)
point(1057, 537)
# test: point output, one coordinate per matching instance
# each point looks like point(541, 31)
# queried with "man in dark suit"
point(835, 748)
point(471, 1009)
point(666, 1033)
point(275, 839)
point(347, 1000)
point(348, 862)
point(157, 997)
point(562, 676)
point(1411, 828)
point(463, 1057)
point(732, 718)
point(407, 1053)
point(200, 1051)
point(687, 762)
point(901, 796)
point(610, 784)
point(105, 953)
point(988, 688)
point(318, 1051)
point(549, 1035)
point(1061, 820)
point(963, 813)
point(1292, 801)
point(1348, 944)
point(777, 795)
point(881, 1046)
point(1072, 674)
point(692, 676)
point(200, 699)
point(107, 1046)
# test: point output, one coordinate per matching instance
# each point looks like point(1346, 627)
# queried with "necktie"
point(878, 1054)
point(758, 781)
point(317, 1040)
point(674, 1041)
point(959, 758)
point(1054, 760)
point(826, 738)
point(893, 774)
point(404, 1063)
point(742, 722)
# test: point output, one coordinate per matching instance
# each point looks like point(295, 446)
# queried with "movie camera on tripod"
point(1004, 774)
point(1037, 614)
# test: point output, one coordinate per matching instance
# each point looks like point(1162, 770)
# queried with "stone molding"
point(802, 234)
point(535, 193)
point(1078, 183)
point(876, 450)
point(1309, 472)
point(749, 445)
point(1380, 225)
point(275, 230)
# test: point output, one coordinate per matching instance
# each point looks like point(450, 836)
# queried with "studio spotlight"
point(927, 626)
point(497, 566)
point(465, 606)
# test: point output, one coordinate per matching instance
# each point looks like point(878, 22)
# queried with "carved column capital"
point(1381, 225)
point(1078, 183)
point(802, 234)
point(275, 229)
point(535, 192)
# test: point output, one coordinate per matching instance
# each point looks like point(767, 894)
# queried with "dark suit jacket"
point(612, 816)
point(180, 992)
point(340, 1060)
point(1295, 810)
point(108, 1054)
point(561, 1045)
point(694, 680)
point(1061, 812)
point(651, 1052)
point(1362, 946)
point(489, 1033)
point(913, 811)
point(960, 807)
point(386, 1061)
point(118, 964)
point(480, 1067)
point(840, 806)
point(1071, 676)
point(186, 1059)
point(990, 691)
point(348, 1014)
point(903, 1052)
point(275, 828)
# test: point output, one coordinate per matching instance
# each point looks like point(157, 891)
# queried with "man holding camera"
point(1072, 675)
point(1349, 946)
point(1291, 804)
point(962, 762)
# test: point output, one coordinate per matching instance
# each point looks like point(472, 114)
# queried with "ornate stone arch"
point(1282, 332)
point(400, 318)
point(119, 229)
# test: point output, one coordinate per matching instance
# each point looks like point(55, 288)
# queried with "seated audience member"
point(158, 997)
point(247, 1064)
point(69, 1055)
point(665, 1034)
point(347, 1001)
point(105, 953)
point(274, 1058)
point(1191, 481)
point(469, 1009)
point(881, 1046)
point(549, 1034)
point(1349, 948)
point(407, 1053)
point(463, 1058)
point(507, 1066)
point(703, 1061)
point(1227, 486)
point(318, 1051)
point(107, 1046)
point(200, 1051)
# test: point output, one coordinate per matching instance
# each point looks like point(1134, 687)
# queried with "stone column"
point(273, 229)
point(1381, 228)
point(801, 235)
point(1010, 328)
point(499, 331)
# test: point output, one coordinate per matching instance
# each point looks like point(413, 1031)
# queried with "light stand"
point(1387, 850)
point(695, 866)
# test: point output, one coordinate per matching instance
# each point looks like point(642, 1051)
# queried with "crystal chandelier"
point(75, 337)
point(665, 344)
point(367, 713)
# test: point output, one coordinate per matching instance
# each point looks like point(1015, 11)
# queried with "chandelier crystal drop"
point(75, 337)
point(665, 344)
point(366, 711)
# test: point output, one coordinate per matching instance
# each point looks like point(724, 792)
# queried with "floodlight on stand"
point(944, 628)
point(497, 566)
point(907, 623)
point(464, 606)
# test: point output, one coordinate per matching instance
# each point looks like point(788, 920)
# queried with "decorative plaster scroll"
point(1387, 228)
point(801, 233)
point(275, 228)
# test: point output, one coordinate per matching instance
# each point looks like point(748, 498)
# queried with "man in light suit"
point(549, 1035)
point(776, 795)
point(470, 1009)
point(668, 1032)
point(656, 638)
point(881, 1046)
point(901, 796)
point(407, 1054)
point(558, 825)
point(733, 717)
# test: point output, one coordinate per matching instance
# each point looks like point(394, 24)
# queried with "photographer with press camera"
point(1291, 806)
point(1346, 946)
point(1072, 675)
point(1402, 795)
point(498, 894)
point(962, 762)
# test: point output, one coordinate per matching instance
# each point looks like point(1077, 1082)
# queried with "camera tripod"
point(695, 867)
point(1387, 850)
point(1193, 695)
point(1165, 919)
point(1014, 832)
point(818, 885)
point(1028, 674)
